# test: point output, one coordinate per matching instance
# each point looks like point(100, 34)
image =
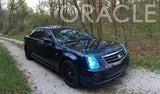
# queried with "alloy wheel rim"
point(68, 73)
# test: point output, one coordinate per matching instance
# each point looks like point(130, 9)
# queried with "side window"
point(41, 34)
point(47, 34)
point(38, 34)
point(35, 34)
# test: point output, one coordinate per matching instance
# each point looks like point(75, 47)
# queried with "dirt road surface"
point(45, 81)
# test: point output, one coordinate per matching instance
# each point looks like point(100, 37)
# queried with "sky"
point(30, 3)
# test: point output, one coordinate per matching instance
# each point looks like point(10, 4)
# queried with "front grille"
point(115, 57)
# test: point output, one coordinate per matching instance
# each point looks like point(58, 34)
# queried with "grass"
point(12, 80)
point(17, 44)
point(149, 62)
point(17, 37)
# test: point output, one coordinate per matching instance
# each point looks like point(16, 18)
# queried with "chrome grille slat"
point(113, 60)
point(115, 57)
point(109, 58)
point(112, 54)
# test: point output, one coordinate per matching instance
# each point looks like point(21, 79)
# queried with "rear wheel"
point(70, 74)
point(28, 53)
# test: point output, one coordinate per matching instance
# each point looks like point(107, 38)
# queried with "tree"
point(100, 34)
point(51, 8)
point(124, 26)
point(91, 24)
point(114, 2)
point(13, 6)
point(80, 15)
point(41, 10)
point(159, 8)
point(159, 12)
point(59, 13)
point(1, 16)
point(20, 16)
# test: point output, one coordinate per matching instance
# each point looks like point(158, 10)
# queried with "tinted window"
point(46, 34)
point(37, 34)
point(41, 34)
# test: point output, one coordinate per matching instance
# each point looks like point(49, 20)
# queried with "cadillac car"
point(80, 58)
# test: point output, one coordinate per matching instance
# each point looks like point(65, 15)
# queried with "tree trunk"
point(159, 12)
point(13, 7)
point(80, 14)
point(59, 12)
point(123, 12)
point(51, 11)
point(100, 22)
point(1, 16)
point(131, 22)
point(96, 15)
point(159, 8)
point(91, 24)
point(63, 2)
point(114, 21)
point(10, 16)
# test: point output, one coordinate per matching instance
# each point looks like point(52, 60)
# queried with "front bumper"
point(91, 78)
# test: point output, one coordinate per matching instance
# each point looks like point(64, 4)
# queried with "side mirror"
point(47, 40)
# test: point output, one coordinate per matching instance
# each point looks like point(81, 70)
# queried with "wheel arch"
point(67, 56)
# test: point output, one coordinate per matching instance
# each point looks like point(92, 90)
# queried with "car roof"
point(56, 27)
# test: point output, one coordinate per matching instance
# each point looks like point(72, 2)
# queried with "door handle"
point(56, 53)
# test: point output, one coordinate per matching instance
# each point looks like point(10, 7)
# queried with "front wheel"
point(28, 53)
point(70, 74)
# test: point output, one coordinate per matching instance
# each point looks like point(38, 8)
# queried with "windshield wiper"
point(69, 42)
point(77, 40)
point(86, 38)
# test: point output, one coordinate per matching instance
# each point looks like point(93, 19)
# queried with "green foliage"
point(12, 80)
point(21, 15)
point(18, 37)
point(37, 20)
point(3, 31)
point(156, 35)
point(150, 62)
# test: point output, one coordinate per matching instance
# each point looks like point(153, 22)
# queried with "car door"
point(49, 51)
point(36, 43)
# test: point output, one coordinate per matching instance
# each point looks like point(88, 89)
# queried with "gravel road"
point(44, 81)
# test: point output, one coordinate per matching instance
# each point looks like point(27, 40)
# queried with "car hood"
point(94, 47)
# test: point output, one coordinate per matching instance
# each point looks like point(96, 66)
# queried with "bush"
point(156, 36)
point(3, 31)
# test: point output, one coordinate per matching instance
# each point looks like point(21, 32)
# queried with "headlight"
point(124, 48)
point(92, 62)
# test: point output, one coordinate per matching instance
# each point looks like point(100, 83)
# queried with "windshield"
point(68, 35)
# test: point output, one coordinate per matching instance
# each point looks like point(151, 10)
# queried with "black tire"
point(70, 74)
point(28, 53)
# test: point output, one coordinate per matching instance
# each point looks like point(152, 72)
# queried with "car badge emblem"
point(119, 56)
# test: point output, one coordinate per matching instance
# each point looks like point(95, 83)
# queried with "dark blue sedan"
point(78, 56)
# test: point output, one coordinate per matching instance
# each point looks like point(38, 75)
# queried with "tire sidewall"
point(76, 82)
point(27, 53)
